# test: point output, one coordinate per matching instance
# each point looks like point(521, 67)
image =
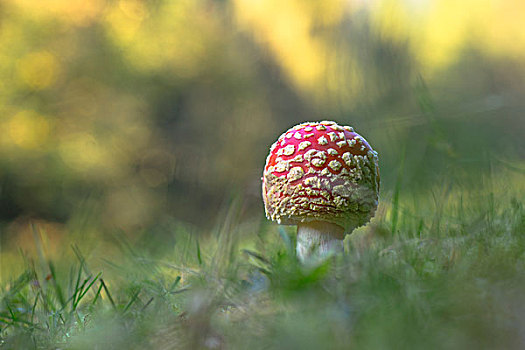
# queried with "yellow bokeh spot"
point(133, 9)
point(38, 70)
point(81, 151)
point(329, 12)
point(77, 12)
point(286, 28)
point(440, 30)
point(175, 35)
point(443, 34)
point(125, 19)
point(28, 129)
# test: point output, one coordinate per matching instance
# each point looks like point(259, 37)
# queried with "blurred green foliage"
point(453, 279)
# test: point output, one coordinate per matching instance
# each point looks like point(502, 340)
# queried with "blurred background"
point(140, 116)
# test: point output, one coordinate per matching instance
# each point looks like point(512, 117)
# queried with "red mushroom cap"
point(321, 171)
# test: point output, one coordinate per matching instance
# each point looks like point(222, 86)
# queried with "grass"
point(449, 273)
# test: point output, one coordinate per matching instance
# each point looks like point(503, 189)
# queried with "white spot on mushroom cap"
point(297, 136)
point(295, 173)
point(342, 190)
point(311, 192)
point(326, 184)
point(332, 152)
point(335, 165)
point(289, 150)
point(309, 154)
point(318, 162)
point(304, 145)
point(297, 158)
point(333, 136)
point(320, 127)
point(308, 128)
point(341, 144)
point(280, 167)
point(347, 158)
point(322, 140)
point(320, 154)
point(313, 181)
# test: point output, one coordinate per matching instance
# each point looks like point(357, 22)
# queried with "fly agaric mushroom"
point(324, 178)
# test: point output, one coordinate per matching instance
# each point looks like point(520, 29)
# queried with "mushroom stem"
point(317, 240)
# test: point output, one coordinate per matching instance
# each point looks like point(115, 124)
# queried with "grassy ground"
point(442, 270)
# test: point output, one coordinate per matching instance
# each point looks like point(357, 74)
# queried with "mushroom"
point(324, 178)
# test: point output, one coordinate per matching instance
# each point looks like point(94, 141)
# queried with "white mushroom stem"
point(317, 240)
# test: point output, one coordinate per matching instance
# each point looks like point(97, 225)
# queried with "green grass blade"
point(108, 293)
